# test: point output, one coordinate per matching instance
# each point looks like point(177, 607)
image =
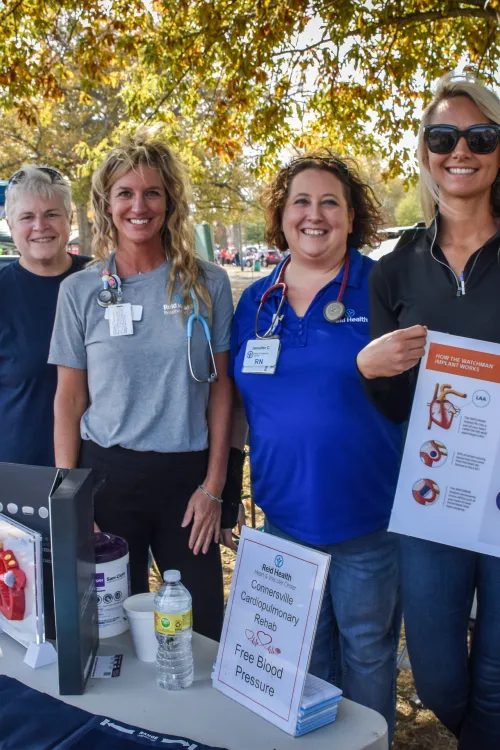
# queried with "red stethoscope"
point(333, 311)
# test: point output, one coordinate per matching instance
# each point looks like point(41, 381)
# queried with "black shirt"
point(414, 285)
point(27, 383)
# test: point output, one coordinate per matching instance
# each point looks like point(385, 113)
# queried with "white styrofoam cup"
point(139, 610)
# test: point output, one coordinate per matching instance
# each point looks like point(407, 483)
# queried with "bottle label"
point(172, 624)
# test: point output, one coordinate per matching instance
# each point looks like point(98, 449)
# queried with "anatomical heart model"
point(21, 604)
point(12, 585)
point(441, 409)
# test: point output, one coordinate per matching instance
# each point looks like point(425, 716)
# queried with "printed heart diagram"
point(441, 409)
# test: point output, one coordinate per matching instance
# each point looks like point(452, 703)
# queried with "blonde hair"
point(449, 87)
point(177, 233)
point(41, 181)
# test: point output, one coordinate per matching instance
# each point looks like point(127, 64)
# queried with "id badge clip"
point(261, 356)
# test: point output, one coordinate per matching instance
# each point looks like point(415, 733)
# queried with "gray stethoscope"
point(111, 294)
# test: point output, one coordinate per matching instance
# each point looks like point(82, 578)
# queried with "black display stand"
point(58, 504)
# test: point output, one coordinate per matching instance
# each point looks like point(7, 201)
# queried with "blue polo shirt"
point(324, 461)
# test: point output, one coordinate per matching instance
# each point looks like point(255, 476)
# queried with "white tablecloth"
point(200, 712)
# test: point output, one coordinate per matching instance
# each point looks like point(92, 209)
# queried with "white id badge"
point(120, 320)
point(136, 312)
point(261, 356)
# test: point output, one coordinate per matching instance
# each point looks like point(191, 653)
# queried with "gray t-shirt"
point(142, 395)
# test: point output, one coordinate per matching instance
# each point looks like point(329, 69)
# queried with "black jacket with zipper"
point(414, 285)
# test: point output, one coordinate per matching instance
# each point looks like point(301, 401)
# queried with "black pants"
point(142, 497)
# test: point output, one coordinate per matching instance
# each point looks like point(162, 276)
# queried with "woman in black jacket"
point(446, 278)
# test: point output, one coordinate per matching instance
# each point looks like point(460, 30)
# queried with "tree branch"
point(434, 15)
point(232, 189)
point(12, 10)
point(412, 18)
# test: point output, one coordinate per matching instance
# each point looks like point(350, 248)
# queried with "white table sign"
point(449, 484)
point(269, 625)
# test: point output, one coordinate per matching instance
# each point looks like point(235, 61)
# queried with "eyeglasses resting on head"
point(54, 174)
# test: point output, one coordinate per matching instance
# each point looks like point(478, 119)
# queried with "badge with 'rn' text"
point(261, 356)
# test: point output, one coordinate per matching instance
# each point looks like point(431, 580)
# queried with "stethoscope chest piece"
point(111, 293)
point(334, 311)
point(106, 297)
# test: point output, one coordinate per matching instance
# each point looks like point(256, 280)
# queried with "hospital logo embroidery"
point(351, 317)
point(175, 307)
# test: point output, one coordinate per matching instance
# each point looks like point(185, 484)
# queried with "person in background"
point(324, 462)
point(137, 400)
point(446, 278)
point(38, 209)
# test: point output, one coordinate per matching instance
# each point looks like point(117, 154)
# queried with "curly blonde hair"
point(177, 233)
point(359, 196)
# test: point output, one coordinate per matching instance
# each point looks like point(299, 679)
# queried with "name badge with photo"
point(261, 356)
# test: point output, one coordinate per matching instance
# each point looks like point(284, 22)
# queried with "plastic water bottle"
point(174, 629)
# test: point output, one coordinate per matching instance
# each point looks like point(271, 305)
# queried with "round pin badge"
point(334, 311)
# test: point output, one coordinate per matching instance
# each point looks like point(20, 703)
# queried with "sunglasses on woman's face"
point(442, 139)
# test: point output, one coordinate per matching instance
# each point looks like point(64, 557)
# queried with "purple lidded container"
point(112, 581)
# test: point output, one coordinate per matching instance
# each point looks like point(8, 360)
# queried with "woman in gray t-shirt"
point(131, 402)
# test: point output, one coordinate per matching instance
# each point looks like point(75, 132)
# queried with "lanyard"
point(111, 293)
point(333, 311)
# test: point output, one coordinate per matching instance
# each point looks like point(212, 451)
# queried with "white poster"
point(449, 484)
point(269, 626)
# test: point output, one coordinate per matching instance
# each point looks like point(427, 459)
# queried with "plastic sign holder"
point(269, 626)
point(40, 654)
point(21, 591)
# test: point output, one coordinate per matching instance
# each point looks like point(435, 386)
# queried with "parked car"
point(392, 233)
point(3, 188)
point(251, 254)
point(272, 258)
point(74, 245)
point(389, 239)
point(6, 241)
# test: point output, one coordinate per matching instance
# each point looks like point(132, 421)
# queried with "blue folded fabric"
point(30, 720)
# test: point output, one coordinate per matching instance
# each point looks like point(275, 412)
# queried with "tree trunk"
point(84, 230)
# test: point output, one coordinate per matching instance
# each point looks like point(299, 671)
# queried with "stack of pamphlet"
point(319, 705)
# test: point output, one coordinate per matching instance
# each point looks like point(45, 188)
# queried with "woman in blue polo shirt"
point(324, 460)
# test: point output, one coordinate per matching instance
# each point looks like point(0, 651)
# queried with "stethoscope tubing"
point(116, 296)
point(196, 316)
point(281, 284)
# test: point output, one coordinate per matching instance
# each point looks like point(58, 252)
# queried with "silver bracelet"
point(208, 494)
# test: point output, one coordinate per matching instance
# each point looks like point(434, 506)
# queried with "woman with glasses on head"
point(142, 344)
point(38, 209)
point(323, 460)
point(446, 278)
